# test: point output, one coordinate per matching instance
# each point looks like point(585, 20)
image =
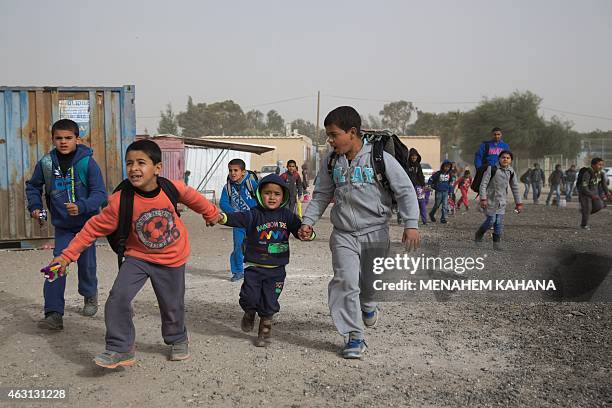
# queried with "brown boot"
point(248, 321)
point(265, 331)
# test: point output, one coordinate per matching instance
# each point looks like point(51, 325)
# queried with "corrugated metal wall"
point(199, 160)
point(107, 122)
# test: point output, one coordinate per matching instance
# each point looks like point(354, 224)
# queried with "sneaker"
point(586, 227)
point(443, 221)
point(90, 306)
point(354, 348)
point(179, 351)
point(432, 217)
point(265, 332)
point(370, 318)
point(248, 321)
point(237, 276)
point(114, 359)
point(52, 321)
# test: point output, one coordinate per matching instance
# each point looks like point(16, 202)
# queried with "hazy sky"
point(442, 55)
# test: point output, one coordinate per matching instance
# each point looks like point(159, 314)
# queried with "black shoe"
point(497, 245)
point(52, 321)
point(479, 236)
point(443, 221)
point(90, 306)
point(432, 217)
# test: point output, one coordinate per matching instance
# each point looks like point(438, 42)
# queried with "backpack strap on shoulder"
point(47, 168)
point(126, 210)
point(170, 190)
point(81, 168)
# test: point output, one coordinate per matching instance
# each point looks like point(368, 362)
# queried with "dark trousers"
point(423, 210)
point(586, 206)
point(261, 288)
point(53, 292)
point(169, 286)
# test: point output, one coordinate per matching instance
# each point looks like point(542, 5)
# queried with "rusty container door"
point(173, 156)
point(107, 123)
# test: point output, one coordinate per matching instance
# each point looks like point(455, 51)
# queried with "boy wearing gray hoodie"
point(360, 217)
point(494, 197)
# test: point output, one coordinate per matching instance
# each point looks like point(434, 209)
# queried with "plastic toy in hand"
point(42, 216)
point(54, 271)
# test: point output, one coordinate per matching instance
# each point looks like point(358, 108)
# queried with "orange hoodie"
point(157, 235)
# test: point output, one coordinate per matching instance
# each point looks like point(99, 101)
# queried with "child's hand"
point(60, 260)
point(35, 214)
point(72, 208)
point(411, 238)
point(217, 220)
point(484, 203)
point(305, 232)
point(518, 208)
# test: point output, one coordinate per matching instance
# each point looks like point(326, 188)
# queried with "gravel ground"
point(426, 351)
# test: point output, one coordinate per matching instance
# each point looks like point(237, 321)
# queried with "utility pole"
point(317, 132)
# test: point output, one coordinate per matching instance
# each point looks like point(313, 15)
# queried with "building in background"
point(297, 147)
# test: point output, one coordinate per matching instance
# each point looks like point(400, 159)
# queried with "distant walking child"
point(590, 181)
point(74, 191)
point(415, 172)
point(442, 183)
point(494, 197)
point(555, 180)
point(238, 195)
point(157, 248)
point(267, 226)
point(464, 183)
point(294, 183)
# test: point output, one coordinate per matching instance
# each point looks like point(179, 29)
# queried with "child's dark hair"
point(466, 173)
point(596, 160)
point(237, 162)
point(149, 147)
point(345, 117)
point(496, 129)
point(65, 124)
point(508, 152)
point(291, 162)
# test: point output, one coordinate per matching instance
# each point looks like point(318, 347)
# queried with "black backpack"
point(118, 238)
point(381, 141)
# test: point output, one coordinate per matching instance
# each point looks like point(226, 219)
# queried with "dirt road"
point(423, 352)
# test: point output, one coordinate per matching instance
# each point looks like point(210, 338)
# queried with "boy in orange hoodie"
point(157, 248)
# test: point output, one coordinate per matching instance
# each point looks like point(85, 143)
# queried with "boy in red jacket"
point(157, 248)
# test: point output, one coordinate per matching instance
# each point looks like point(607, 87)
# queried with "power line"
point(576, 114)
point(280, 101)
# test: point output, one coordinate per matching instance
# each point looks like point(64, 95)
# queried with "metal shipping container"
point(107, 123)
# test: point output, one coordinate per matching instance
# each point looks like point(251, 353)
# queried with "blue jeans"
point(237, 256)
point(526, 195)
point(441, 199)
point(557, 190)
point(537, 190)
point(569, 189)
point(88, 282)
point(496, 220)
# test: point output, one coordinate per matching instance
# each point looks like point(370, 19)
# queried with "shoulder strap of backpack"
point(126, 210)
point(81, 168)
point(47, 168)
point(331, 163)
point(170, 190)
point(378, 162)
point(249, 183)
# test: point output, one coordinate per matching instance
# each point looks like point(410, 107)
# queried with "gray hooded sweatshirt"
point(496, 190)
point(362, 205)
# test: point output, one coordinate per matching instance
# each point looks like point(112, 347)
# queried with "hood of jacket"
point(274, 179)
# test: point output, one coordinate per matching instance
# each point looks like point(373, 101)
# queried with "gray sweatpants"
point(345, 304)
point(169, 286)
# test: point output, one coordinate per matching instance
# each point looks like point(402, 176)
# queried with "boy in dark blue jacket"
point(267, 252)
point(238, 195)
point(442, 183)
point(74, 192)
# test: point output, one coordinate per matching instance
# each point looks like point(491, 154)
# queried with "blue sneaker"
point(370, 318)
point(237, 276)
point(354, 348)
